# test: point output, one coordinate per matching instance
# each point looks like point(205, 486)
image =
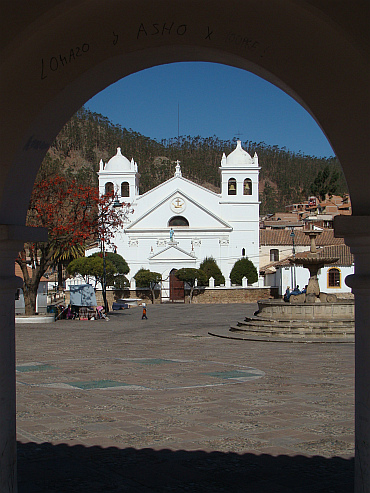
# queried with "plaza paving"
point(159, 405)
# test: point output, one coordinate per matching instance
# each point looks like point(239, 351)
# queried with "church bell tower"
point(121, 176)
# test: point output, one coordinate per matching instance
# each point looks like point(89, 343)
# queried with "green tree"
point(211, 269)
point(117, 260)
point(243, 268)
point(61, 258)
point(325, 183)
point(92, 267)
point(147, 279)
point(190, 276)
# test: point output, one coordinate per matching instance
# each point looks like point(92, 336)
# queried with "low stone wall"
point(200, 295)
point(232, 295)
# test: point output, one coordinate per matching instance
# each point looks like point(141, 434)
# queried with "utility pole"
point(293, 277)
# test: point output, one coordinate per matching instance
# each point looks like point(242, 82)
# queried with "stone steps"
point(297, 332)
point(244, 336)
point(277, 321)
point(299, 324)
point(304, 331)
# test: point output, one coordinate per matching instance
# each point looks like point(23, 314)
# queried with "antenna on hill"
point(178, 121)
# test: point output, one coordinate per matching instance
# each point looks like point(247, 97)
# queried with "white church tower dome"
point(238, 158)
point(119, 175)
point(118, 162)
point(239, 176)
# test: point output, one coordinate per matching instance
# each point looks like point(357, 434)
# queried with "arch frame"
point(63, 52)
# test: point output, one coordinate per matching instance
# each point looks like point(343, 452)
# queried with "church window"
point(231, 186)
point(178, 221)
point(109, 187)
point(247, 187)
point(243, 252)
point(334, 278)
point(274, 255)
point(125, 189)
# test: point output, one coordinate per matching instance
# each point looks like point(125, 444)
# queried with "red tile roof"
point(282, 237)
point(342, 252)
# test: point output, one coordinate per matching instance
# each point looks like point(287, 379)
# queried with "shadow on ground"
point(62, 469)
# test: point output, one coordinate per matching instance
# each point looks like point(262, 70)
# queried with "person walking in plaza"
point(144, 312)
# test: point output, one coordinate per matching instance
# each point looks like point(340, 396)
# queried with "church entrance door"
point(177, 291)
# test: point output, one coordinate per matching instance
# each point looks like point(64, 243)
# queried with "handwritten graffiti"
point(245, 42)
point(37, 145)
point(54, 63)
point(159, 29)
point(209, 33)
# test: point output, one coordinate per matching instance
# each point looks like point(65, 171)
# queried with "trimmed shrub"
point(211, 269)
point(243, 268)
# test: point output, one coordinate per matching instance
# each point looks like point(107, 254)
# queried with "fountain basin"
point(279, 310)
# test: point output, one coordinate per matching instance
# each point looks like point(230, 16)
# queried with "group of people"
point(296, 290)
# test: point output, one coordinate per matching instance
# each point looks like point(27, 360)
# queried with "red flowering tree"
point(74, 215)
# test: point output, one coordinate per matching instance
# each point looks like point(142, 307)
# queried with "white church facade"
point(179, 223)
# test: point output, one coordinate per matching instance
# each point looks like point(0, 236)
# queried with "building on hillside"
point(179, 223)
point(282, 274)
point(322, 213)
point(42, 294)
point(277, 245)
point(301, 207)
point(281, 220)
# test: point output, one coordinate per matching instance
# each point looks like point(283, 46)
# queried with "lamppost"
point(108, 224)
point(104, 280)
point(293, 276)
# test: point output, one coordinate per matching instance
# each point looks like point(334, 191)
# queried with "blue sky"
point(212, 99)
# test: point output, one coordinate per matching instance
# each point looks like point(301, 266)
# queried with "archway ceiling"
point(64, 52)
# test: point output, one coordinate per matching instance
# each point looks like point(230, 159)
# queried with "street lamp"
point(106, 224)
point(104, 283)
point(293, 277)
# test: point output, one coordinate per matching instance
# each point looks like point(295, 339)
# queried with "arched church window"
point(178, 221)
point(243, 252)
point(274, 255)
point(334, 278)
point(109, 187)
point(247, 187)
point(231, 186)
point(125, 189)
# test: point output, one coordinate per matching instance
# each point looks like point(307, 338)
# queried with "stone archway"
point(55, 57)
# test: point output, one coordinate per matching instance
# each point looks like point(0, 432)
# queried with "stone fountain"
point(308, 317)
point(313, 262)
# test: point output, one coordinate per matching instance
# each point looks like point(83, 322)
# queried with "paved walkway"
point(158, 405)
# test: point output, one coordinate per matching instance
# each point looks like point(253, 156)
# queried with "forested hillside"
point(285, 176)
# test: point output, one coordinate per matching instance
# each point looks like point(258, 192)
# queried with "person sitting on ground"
point(287, 294)
point(296, 290)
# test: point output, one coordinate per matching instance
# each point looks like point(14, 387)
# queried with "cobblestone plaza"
point(159, 405)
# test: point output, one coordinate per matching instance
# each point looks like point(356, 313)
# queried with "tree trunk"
point(60, 275)
point(105, 302)
point(191, 294)
point(30, 295)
